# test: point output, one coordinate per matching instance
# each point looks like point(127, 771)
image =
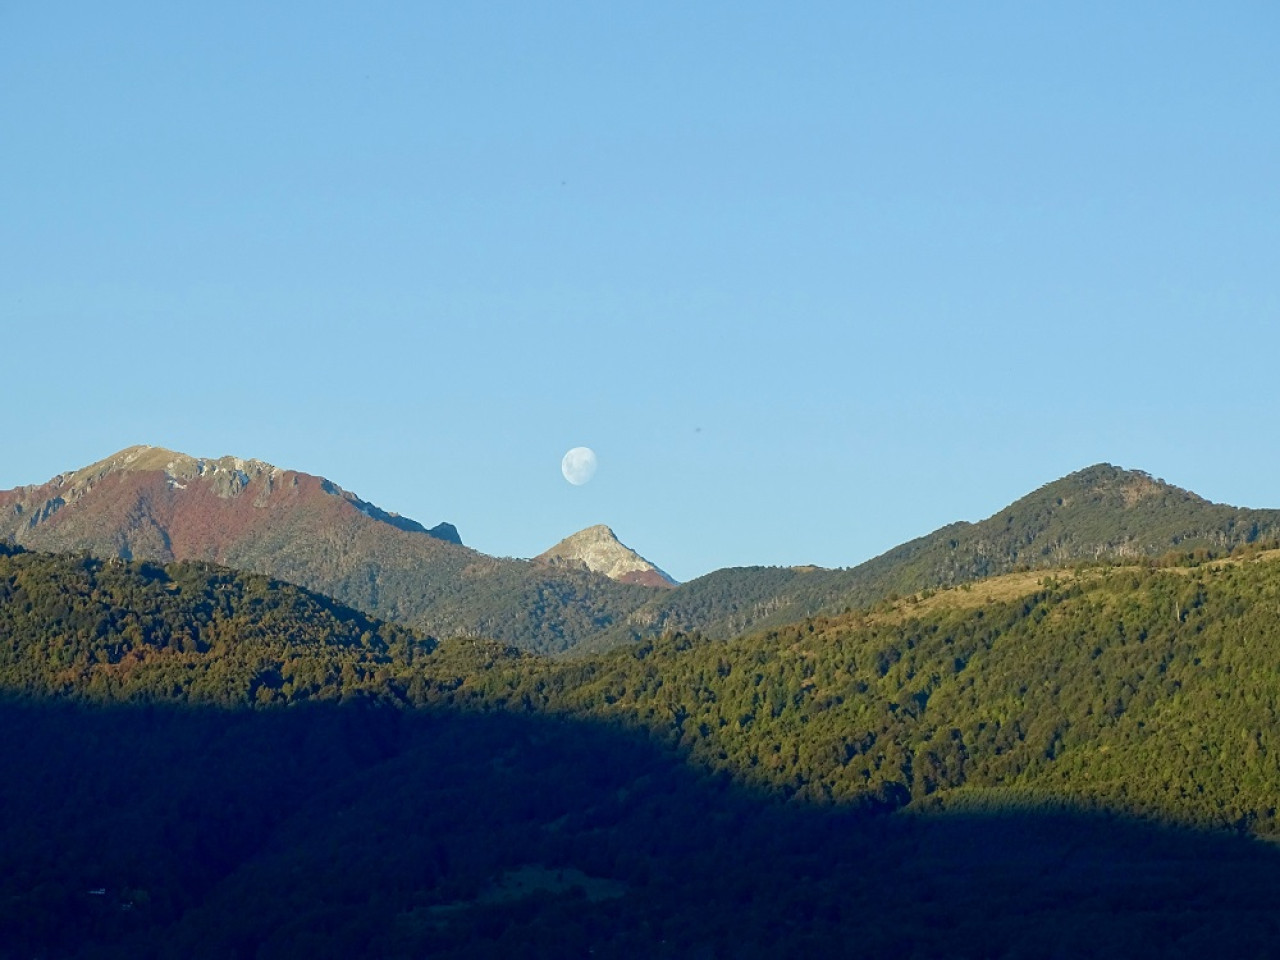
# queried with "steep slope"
point(598, 548)
point(1099, 513)
point(155, 504)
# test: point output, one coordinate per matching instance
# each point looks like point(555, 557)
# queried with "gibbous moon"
point(579, 465)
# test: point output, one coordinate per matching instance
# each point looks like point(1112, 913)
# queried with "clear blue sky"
point(812, 279)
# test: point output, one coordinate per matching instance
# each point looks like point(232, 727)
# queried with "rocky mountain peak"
point(221, 498)
point(228, 476)
point(599, 549)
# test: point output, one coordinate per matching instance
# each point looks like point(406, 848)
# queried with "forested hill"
point(234, 762)
point(182, 632)
point(1100, 513)
point(148, 503)
point(1121, 684)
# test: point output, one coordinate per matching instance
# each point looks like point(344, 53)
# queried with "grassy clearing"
point(1013, 586)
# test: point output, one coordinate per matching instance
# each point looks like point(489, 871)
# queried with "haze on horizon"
point(812, 282)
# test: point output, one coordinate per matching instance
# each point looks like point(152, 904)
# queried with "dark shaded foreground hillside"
point(351, 830)
point(244, 768)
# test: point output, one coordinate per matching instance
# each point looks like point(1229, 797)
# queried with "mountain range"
point(1051, 732)
point(150, 503)
point(589, 591)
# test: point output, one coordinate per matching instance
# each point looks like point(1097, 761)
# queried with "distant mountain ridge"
point(598, 548)
point(153, 504)
point(1098, 513)
point(150, 503)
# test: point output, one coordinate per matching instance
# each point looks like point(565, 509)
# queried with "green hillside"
point(185, 632)
point(1150, 690)
point(1100, 513)
point(1140, 686)
point(1066, 761)
point(540, 607)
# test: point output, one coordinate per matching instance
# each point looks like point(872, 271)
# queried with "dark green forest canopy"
point(1148, 690)
point(1145, 689)
point(197, 741)
point(185, 632)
